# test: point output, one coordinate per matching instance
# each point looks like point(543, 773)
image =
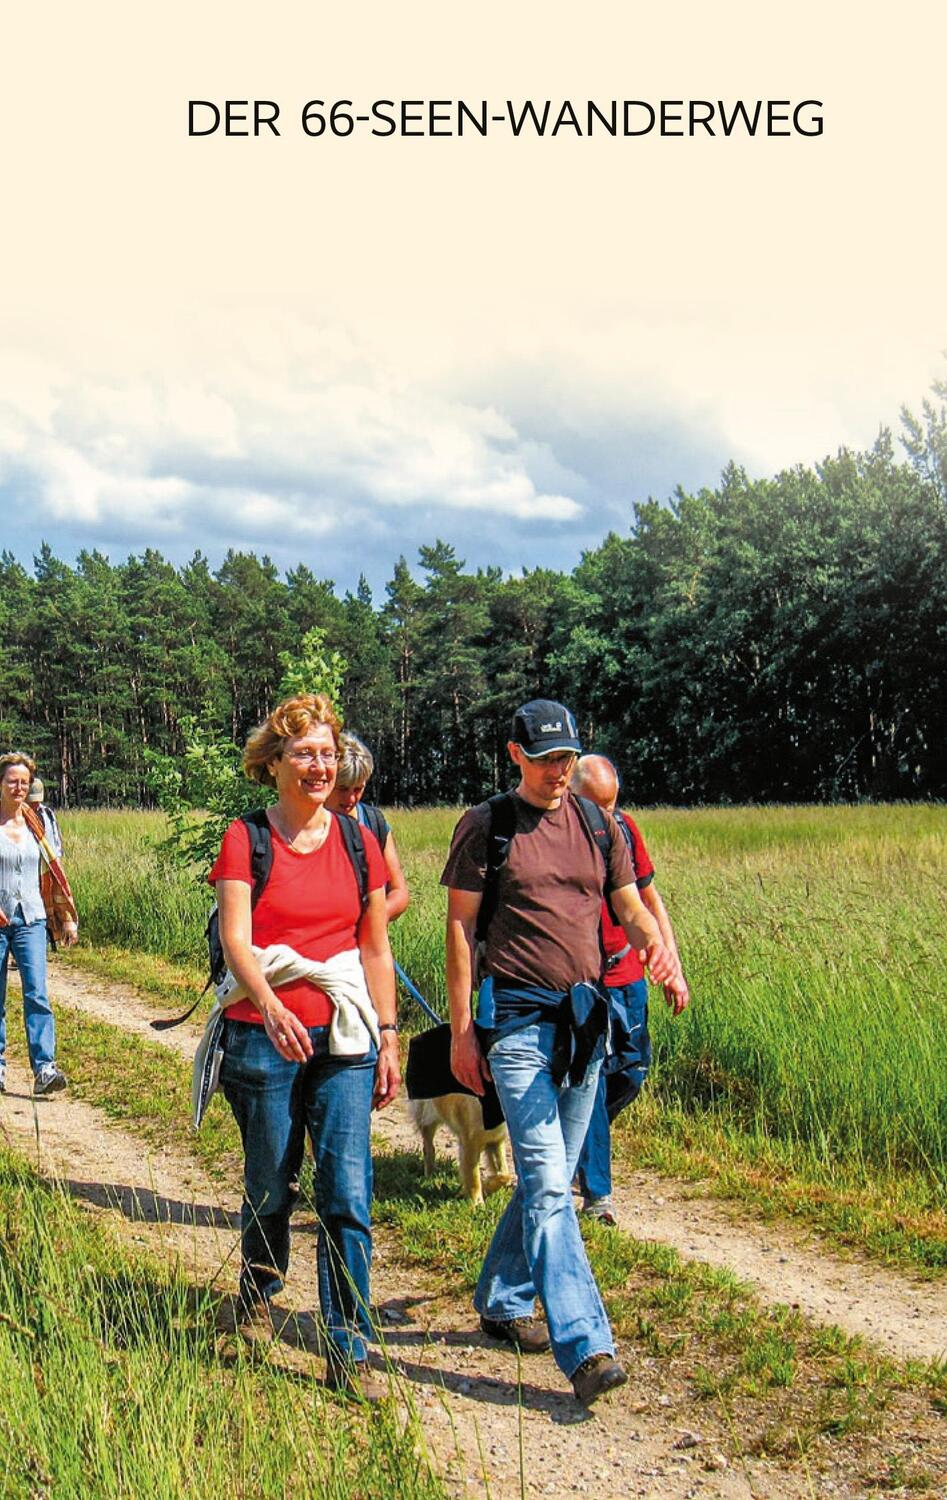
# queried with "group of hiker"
point(551, 912)
point(554, 926)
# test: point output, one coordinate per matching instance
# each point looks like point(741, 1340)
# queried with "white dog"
point(462, 1115)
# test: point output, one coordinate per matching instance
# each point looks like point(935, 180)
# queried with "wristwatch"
point(388, 1026)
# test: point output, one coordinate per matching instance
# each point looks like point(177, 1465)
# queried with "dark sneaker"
point(600, 1208)
point(350, 1377)
point(3, 1078)
point(596, 1375)
point(525, 1334)
point(49, 1080)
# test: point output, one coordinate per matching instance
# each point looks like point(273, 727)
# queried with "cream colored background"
point(771, 298)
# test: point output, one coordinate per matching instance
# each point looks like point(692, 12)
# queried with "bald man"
point(621, 1080)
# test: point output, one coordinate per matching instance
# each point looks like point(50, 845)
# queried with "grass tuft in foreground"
point(115, 1383)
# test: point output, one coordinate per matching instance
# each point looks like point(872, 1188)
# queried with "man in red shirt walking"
point(620, 1082)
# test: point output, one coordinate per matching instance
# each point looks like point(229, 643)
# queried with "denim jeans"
point(276, 1104)
point(27, 942)
point(621, 1082)
point(537, 1248)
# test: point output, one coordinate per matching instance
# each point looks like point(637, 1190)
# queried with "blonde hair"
point(356, 762)
point(288, 720)
point(17, 758)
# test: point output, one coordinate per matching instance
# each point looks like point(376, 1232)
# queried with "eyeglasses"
point(557, 758)
point(309, 757)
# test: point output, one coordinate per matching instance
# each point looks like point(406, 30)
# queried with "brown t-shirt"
point(549, 905)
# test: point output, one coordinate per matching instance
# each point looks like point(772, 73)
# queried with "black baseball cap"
point(542, 727)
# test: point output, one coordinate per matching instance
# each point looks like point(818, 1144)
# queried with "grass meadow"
point(809, 1078)
point(115, 1382)
point(810, 1073)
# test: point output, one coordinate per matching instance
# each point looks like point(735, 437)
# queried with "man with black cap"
point(525, 876)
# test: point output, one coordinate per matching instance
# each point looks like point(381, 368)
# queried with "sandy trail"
point(906, 1317)
point(476, 1416)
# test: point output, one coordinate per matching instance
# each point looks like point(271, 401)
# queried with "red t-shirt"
point(310, 902)
point(629, 968)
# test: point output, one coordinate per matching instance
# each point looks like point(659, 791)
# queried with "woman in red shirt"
point(299, 1058)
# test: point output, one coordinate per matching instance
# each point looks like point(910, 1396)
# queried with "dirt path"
point(905, 1317)
point(477, 1419)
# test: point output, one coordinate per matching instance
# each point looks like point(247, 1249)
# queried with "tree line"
point(778, 639)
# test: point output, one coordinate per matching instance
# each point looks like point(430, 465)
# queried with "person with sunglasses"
point(545, 1048)
point(310, 1041)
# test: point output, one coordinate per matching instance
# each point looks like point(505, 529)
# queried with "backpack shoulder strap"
point(625, 830)
point(354, 842)
point(596, 823)
point(261, 863)
point(261, 850)
point(374, 819)
point(626, 833)
point(500, 833)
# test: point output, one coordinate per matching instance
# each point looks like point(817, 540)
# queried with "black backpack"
point(501, 833)
point(261, 863)
point(376, 821)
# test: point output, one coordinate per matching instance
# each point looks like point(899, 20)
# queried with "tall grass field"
point(115, 1384)
point(813, 941)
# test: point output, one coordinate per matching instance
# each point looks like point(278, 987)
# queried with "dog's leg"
point(428, 1133)
point(468, 1158)
point(496, 1153)
point(500, 1174)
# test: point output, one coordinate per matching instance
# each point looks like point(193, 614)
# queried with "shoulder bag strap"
point(500, 834)
point(354, 843)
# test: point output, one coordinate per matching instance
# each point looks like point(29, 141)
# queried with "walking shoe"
point(350, 1377)
point(49, 1079)
point(525, 1334)
point(252, 1323)
point(596, 1375)
point(600, 1208)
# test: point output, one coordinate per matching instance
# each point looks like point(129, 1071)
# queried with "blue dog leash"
point(415, 994)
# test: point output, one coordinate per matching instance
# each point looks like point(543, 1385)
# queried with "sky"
point(333, 349)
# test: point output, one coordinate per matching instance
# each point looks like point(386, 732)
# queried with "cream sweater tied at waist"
point(353, 1027)
point(354, 1024)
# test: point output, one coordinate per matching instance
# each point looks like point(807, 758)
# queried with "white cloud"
point(251, 451)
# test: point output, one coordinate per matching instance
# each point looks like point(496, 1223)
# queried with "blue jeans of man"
point(277, 1104)
point(537, 1248)
point(620, 1083)
point(27, 942)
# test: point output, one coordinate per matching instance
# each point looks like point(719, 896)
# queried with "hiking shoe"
point(525, 1334)
point(252, 1323)
point(49, 1079)
point(600, 1208)
point(596, 1375)
point(350, 1377)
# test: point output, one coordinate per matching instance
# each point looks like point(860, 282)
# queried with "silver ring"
point(281, 1036)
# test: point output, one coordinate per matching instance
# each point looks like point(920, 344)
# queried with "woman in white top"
point(24, 869)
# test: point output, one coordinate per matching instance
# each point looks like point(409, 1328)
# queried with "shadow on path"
point(144, 1206)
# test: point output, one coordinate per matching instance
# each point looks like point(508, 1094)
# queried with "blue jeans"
point(27, 942)
point(276, 1104)
point(537, 1247)
point(619, 1085)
